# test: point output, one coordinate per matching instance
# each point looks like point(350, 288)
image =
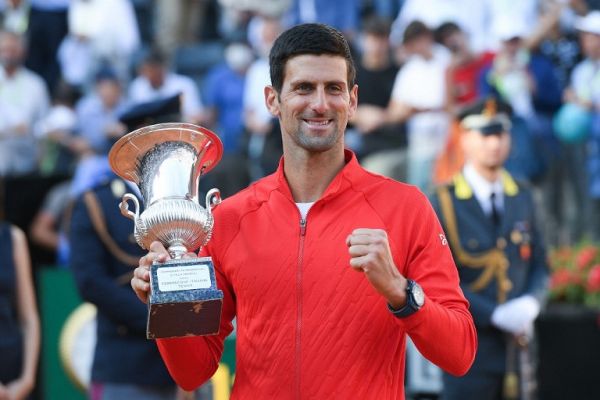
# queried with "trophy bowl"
point(166, 161)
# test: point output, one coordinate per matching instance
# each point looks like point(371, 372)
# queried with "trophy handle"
point(213, 199)
point(139, 230)
point(124, 206)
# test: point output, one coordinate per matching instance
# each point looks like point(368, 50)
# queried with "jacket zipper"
point(299, 307)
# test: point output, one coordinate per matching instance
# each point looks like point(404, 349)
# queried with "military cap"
point(152, 112)
point(489, 116)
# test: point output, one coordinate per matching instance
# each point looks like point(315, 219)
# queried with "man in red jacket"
point(326, 266)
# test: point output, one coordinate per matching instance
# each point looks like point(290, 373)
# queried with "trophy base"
point(184, 299)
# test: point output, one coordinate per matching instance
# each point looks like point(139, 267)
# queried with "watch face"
point(418, 294)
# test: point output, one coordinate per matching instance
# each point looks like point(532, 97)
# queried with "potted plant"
point(575, 275)
point(568, 329)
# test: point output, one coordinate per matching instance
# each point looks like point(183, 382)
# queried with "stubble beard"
point(318, 144)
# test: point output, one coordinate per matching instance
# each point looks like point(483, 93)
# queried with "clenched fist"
point(370, 253)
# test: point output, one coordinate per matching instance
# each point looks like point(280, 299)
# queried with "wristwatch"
point(415, 298)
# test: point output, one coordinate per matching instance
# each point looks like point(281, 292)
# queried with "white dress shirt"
point(420, 83)
point(140, 90)
point(24, 101)
point(483, 189)
point(585, 80)
point(257, 78)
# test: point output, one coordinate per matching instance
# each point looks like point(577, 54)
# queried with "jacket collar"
point(463, 191)
point(343, 180)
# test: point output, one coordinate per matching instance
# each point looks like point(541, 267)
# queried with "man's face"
point(315, 102)
point(422, 46)
point(11, 51)
point(486, 152)
point(376, 46)
point(512, 46)
point(456, 42)
point(155, 74)
point(109, 91)
point(590, 45)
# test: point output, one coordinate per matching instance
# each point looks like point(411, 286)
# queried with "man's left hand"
point(370, 253)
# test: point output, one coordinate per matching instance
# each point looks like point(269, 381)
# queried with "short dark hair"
point(376, 26)
point(313, 39)
point(414, 30)
point(445, 30)
point(154, 57)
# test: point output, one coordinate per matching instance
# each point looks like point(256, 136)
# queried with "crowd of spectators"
point(72, 68)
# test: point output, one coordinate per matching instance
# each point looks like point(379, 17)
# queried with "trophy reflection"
point(166, 161)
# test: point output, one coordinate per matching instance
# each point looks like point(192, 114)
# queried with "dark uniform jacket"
point(11, 336)
point(494, 264)
point(103, 256)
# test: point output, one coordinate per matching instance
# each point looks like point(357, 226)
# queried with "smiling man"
point(327, 267)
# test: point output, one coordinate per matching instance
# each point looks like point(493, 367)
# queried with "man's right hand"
point(141, 275)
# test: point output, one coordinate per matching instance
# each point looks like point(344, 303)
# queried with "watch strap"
point(411, 305)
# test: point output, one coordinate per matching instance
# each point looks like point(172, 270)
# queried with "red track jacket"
point(309, 326)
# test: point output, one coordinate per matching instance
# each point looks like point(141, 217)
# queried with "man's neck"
point(309, 175)
point(490, 174)
point(10, 72)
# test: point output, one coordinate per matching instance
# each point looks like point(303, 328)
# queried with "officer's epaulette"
point(98, 219)
point(463, 191)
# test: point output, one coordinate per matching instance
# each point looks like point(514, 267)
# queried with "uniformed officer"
point(489, 223)
point(103, 255)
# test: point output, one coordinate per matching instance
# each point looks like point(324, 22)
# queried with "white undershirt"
point(303, 208)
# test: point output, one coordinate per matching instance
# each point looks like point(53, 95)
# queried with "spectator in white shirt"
point(155, 82)
point(102, 34)
point(262, 32)
point(470, 15)
point(418, 98)
point(24, 101)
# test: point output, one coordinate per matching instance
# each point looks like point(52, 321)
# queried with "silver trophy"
point(166, 161)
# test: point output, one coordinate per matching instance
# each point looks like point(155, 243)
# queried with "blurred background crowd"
point(72, 70)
